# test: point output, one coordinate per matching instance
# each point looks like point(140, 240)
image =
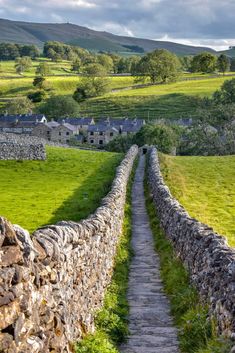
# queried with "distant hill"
point(38, 33)
point(229, 52)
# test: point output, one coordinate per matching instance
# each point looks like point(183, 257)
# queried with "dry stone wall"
point(20, 147)
point(53, 282)
point(206, 254)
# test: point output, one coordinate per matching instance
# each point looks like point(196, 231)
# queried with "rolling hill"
point(38, 33)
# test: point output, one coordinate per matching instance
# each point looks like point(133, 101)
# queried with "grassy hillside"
point(168, 101)
point(205, 186)
point(68, 186)
point(38, 33)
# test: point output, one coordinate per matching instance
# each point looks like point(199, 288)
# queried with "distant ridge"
point(38, 33)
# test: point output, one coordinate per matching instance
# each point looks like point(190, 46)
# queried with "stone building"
point(44, 130)
point(101, 134)
point(81, 123)
point(106, 130)
point(64, 132)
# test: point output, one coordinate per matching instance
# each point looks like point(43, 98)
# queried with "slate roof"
point(124, 125)
point(102, 128)
point(23, 118)
point(69, 126)
point(77, 121)
point(52, 124)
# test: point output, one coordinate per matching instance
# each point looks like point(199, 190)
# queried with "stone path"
point(150, 324)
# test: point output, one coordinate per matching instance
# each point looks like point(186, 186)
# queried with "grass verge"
point(111, 321)
point(197, 333)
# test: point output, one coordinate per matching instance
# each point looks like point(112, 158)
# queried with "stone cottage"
point(64, 132)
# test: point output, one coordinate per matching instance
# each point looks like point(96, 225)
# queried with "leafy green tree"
point(43, 69)
point(106, 61)
point(226, 95)
point(204, 62)
point(30, 50)
point(120, 144)
point(92, 87)
point(23, 64)
point(162, 136)
point(223, 63)
point(232, 64)
point(39, 82)
point(95, 70)
point(20, 105)
point(186, 62)
point(60, 107)
point(9, 51)
point(76, 65)
point(160, 65)
point(37, 97)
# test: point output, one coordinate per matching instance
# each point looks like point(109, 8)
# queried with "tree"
point(95, 70)
point(204, 62)
point(60, 107)
point(39, 82)
point(76, 65)
point(43, 69)
point(106, 61)
point(37, 96)
point(160, 65)
point(91, 87)
point(9, 51)
point(23, 64)
point(163, 136)
point(20, 105)
point(30, 50)
point(232, 63)
point(95, 83)
point(120, 144)
point(223, 63)
point(226, 95)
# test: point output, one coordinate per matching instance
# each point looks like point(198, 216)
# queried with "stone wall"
point(53, 282)
point(19, 147)
point(207, 256)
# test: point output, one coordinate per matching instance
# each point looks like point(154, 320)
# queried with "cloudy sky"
point(197, 22)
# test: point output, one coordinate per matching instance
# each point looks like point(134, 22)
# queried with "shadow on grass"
point(17, 90)
point(87, 197)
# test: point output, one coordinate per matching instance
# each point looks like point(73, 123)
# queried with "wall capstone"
point(206, 254)
point(52, 283)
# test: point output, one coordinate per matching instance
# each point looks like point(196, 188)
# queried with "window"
point(111, 133)
point(91, 133)
point(100, 142)
point(92, 141)
point(67, 141)
point(101, 133)
point(67, 133)
point(48, 132)
point(59, 133)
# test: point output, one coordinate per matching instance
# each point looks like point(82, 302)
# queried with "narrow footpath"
point(150, 323)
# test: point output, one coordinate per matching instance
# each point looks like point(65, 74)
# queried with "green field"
point(205, 186)
point(68, 186)
point(171, 100)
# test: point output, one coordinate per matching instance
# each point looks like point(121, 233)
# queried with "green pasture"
point(69, 185)
point(173, 100)
point(205, 186)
